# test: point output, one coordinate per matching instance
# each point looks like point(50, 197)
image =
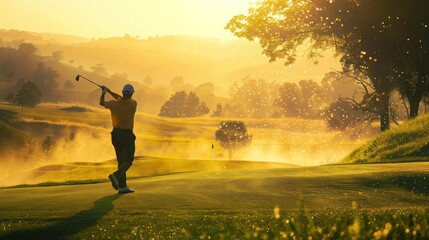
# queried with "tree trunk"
point(414, 99)
point(414, 107)
point(384, 112)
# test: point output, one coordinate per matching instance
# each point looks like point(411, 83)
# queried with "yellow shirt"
point(122, 112)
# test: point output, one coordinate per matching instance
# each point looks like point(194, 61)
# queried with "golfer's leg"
point(118, 150)
point(122, 173)
point(122, 168)
point(128, 150)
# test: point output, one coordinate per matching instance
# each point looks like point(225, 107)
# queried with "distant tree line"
point(343, 101)
point(26, 75)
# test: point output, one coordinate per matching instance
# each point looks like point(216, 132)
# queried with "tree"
point(172, 107)
point(205, 92)
point(99, 69)
point(290, 100)
point(305, 99)
point(232, 135)
point(9, 98)
point(341, 115)
point(218, 111)
point(28, 95)
point(194, 107)
point(255, 95)
point(58, 56)
point(27, 49)
point(6, 70)
point(182, 105)
point(45, 78)
point(178, 84)
point(367, 34)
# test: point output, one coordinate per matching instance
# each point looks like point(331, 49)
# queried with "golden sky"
point(108, 18)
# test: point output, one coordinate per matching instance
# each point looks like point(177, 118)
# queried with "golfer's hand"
point(104, 89)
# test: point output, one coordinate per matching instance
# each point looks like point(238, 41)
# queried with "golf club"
point(80, 76)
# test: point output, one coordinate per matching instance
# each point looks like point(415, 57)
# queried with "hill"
point(407, 142)
point(38, 38)
point(197, 60)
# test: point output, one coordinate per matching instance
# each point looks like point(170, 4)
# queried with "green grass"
point(407, 142)
point(331, 202)
point(85, 172)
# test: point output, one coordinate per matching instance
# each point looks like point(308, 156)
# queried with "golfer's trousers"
point(124, 142)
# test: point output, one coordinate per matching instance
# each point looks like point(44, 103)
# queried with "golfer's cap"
point(128, 88)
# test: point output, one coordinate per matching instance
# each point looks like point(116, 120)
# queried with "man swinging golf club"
point(122, 110)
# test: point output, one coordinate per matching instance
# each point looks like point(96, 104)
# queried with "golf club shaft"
point(89, 80)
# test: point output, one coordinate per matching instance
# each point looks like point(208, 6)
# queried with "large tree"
point(363, 32)
point(28, 95)
point(255, 95)
point(45, 78)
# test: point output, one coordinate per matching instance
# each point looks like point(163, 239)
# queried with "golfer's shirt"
point(122, 112)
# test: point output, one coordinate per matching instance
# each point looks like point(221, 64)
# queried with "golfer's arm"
point(102, 99)
point(114, 95)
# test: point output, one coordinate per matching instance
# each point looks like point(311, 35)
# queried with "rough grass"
point(12, 138)
point(76, 109)
point(407, 142)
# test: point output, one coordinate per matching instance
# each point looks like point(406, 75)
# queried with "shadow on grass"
point(409, 181)
point(6, 115)
point(68, 226)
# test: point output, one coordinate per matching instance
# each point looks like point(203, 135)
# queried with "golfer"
point(122, 110)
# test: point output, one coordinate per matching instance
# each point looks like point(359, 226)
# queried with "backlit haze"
point(109, 18)
point(161, 47)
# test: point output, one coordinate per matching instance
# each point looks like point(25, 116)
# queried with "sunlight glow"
point(109, 18)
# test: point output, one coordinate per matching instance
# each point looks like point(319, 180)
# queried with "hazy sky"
point(107, 18)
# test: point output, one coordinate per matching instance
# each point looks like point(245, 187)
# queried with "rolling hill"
point(407, 142)
point(197, 60)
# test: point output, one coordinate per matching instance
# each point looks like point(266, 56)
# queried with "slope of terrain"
point(407, 142)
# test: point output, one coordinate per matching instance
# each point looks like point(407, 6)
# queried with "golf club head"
point(77, 77)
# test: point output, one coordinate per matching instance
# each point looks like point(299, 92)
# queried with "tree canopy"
point(28, 95)
point(385, 40)
point(232, 135)
point(182, 104)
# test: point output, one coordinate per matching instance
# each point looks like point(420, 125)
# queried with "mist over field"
point(57, 136)
point(288, 110)
point(219, 72)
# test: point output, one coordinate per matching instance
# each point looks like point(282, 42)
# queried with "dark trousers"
point(124, 142)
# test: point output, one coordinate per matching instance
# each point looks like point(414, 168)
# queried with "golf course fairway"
point(360, 201)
